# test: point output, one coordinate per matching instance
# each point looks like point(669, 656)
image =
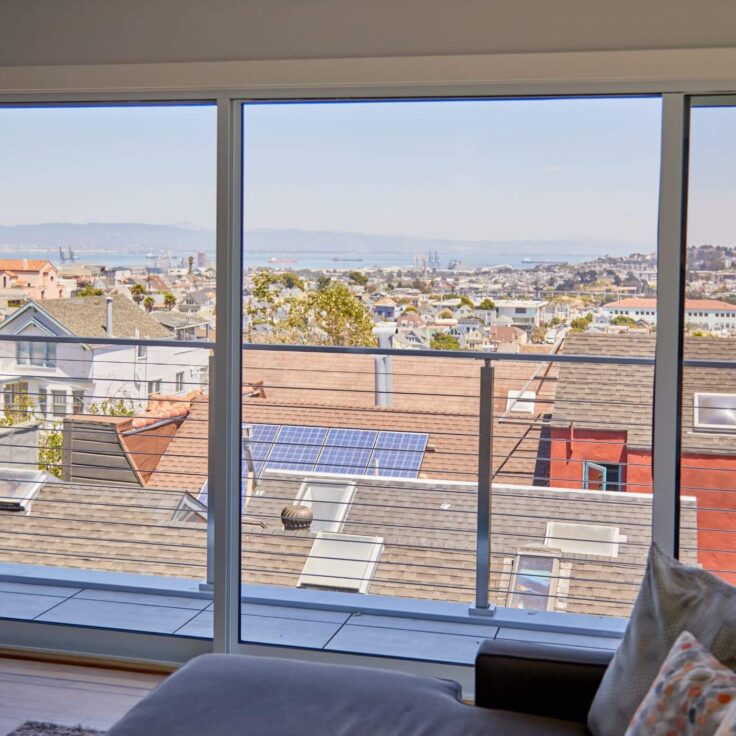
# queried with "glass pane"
point(511, 231)
point(107, 218)
point(708, 446)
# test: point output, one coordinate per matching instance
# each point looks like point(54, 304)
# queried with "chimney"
point(384, 372)
point(108, 316)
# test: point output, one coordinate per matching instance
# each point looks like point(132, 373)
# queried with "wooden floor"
point(67, 694)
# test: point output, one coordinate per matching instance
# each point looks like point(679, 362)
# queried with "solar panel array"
point(335, 450)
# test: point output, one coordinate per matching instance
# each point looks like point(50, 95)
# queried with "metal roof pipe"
point(384, 371)
point(108, 316)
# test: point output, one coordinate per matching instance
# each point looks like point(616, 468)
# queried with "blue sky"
point(496, 170)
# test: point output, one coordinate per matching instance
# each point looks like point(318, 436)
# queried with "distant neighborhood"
point(352, 435)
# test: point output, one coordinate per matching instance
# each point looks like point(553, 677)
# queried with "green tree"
point(445, 314)
point(443, 341)
point(148, 303)
point(89, 290)
point(622, 320)
point(138, 292)
point(323, 282)
point(111, 407)
point(467, 301)
point(589, 317)
point(169, 300)
point(579, 324)
point(487, 304)
point(358, 278)
point(333, 316)
point(291, 280)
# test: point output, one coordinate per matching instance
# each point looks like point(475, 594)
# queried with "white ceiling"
point(51, 32)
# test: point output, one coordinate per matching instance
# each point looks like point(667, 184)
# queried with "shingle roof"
point(429, 551)
point(86, 316)
point(616, 397)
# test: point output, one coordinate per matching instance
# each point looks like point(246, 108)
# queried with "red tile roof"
point(23, 264)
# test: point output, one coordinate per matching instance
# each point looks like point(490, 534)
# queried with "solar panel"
point(335, 450)
point(260, 443)
point(297, 448)
point(346, 451)
point(398, 454)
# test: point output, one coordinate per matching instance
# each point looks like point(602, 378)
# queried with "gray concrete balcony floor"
point(317, 620)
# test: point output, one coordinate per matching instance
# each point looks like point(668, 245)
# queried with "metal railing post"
point(485, 479)
point(210, 582)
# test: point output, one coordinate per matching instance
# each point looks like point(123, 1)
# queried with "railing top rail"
point(341, 350)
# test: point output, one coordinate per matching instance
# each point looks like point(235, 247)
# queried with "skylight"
point(344, 562)
point(521, 401)
point(18, 488)
point(715, 411)
point(329, 503)
point(583, 539)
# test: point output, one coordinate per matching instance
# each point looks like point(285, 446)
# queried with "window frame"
point(554, 577)
point(677, 95)
point(700, 426)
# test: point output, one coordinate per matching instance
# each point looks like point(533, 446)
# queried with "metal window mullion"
point(224, 480)
point(671, 263)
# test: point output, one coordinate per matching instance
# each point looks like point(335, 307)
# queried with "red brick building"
point(601, 432)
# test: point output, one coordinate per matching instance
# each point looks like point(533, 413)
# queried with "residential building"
point(601, 431)
point(711, 315)
point(525, 313)
point(34, 278)
point(63, 378)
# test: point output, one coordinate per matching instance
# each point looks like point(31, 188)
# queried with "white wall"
point(50, 32)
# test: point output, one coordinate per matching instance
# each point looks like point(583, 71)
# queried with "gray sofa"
point(521, 689)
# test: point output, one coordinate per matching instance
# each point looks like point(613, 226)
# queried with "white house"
point(522, 312)
point(66, 378)
point(712, 315)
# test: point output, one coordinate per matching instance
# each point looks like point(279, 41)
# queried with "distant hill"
point(138, 238)
point(129, 235)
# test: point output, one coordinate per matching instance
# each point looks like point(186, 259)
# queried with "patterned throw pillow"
point(689, 697)
point(728, 724)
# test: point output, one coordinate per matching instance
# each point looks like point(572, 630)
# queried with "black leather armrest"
point(539, 679)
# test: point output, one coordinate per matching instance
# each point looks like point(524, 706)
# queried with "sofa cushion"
point(673, 598)
point(249, 696)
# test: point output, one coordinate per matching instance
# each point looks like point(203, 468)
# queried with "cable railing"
point(490, 479)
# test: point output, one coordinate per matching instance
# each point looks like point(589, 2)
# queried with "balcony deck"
point(430, 631)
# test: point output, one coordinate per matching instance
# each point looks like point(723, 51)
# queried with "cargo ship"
point(282, 261)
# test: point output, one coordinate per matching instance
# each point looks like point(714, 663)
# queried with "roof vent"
point(296, 517)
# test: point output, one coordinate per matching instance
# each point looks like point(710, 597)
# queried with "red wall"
point(711, 479)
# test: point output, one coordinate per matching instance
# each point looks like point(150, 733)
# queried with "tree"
point(487, 305)
point(111, 407)
point(358, 278)
point(169, 300)
point(579, 324)
point(148, 303)
point(323, 282)
point(589, 317)
point(333, 316)
point(445, 314)
point(291, 280)
point(467, 301)
point(89, 290)
point(138, 292)
point(622, 320)
point(443, 341)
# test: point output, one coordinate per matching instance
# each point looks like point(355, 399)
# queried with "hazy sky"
point(497, 170)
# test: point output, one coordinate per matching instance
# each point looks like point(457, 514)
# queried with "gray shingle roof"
point(618, 397)
point(85, 317)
